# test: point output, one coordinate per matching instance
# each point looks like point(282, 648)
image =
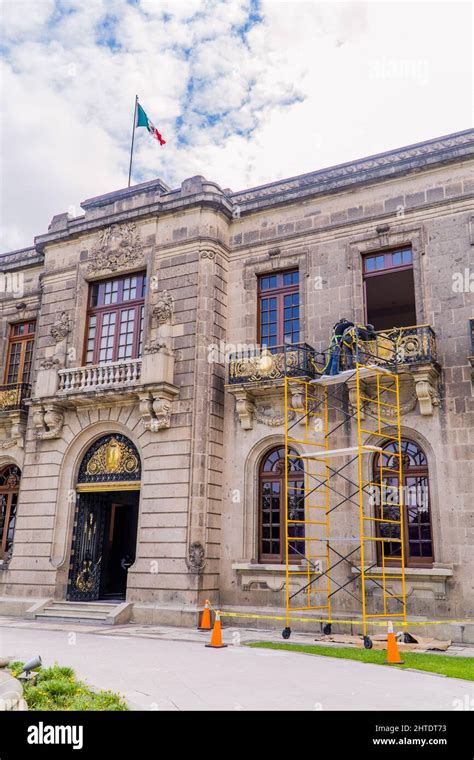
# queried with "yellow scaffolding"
point(317, 485)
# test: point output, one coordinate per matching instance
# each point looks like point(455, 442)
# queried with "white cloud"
point(243, 92)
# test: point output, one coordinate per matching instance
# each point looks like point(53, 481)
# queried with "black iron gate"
point(87, 546)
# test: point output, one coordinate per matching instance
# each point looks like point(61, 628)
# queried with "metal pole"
point(133, 139)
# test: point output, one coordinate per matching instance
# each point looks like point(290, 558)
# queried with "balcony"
point(268, 364)
point(99, 378)
point(413, 345)
point(13, 414)
point(416, 362)
point(147, 381)
point(256, 380)
point(13, 395)
point(256, 375)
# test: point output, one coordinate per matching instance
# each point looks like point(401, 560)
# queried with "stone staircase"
point(108, 613)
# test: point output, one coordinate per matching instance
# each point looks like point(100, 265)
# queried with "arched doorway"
point(9, 490)
point(105, 525)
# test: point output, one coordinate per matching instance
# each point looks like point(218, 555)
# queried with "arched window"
point(9, 489)
point(418, 538)
point(272, 506)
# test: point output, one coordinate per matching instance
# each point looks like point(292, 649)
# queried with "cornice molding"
point(379, 166)
point(451, 148)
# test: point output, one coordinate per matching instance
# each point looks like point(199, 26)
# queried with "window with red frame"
point(272, 540)
point(389, 289)
point(418, 538)
point(20, 352)
point(115, 319)
point(278, 308)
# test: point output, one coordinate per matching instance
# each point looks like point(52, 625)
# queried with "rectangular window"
point(115, 319)
point(389, 289)
point(20, 352)
point(279, 309)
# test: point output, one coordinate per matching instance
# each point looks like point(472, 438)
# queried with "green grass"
point(453, 667)
point(57, 688)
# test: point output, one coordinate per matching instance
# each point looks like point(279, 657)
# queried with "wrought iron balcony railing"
point(394, 347)
point(272, 363)
point(13, 395)
point(413, 345)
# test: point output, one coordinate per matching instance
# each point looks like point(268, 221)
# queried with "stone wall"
point(432, 213)
point(204, 248)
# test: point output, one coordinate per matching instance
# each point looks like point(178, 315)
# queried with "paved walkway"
point(158, 668)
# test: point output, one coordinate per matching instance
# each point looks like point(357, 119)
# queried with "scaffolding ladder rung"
point(312, 607)
point(381, 576)
point(381, 435)
point(383, 519)
point(340, 452)
point(382, 403)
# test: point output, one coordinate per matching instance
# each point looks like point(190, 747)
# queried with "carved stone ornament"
point(196, 557)
point(155, 409)
point(48, 422)
point(50, 363)
point(15, 424)
point(117, 247)
point(62, 328)
point(154, 347)
point(263, 414)
point(207, 254)
point(271, 414)
point(164, 307)
point(426, 387)
point(245, 407)
point(8, 443)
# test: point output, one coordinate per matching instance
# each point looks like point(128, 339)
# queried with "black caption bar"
point(117, 734)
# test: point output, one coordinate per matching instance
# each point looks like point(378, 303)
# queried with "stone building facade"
point(135, 456)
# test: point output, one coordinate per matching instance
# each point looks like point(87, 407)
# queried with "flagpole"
point(133, 139)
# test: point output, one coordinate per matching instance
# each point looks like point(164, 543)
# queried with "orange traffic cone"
point(216, 638)
point(205, 623)
point(393, 655)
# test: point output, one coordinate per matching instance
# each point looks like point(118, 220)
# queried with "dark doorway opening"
point(104, 545)
point(390, 290)
point(119, 546)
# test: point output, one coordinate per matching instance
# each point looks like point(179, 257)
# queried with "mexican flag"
point(144, 121)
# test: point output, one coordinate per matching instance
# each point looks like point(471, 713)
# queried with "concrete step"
point(82, 607)
point(49, 612)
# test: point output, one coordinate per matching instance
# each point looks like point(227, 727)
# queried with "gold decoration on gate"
point(113, 457)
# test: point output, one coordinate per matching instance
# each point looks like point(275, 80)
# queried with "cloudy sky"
point(244, 92)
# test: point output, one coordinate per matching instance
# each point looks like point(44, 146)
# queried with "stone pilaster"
point(203, 531)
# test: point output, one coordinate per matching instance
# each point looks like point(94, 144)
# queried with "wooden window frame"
point(9, 492)
point(137, 304)
point(270, 476)
point(420, 471)
point(388, 269)
point(388, 266)
point(23, 340)
point(279, 292)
